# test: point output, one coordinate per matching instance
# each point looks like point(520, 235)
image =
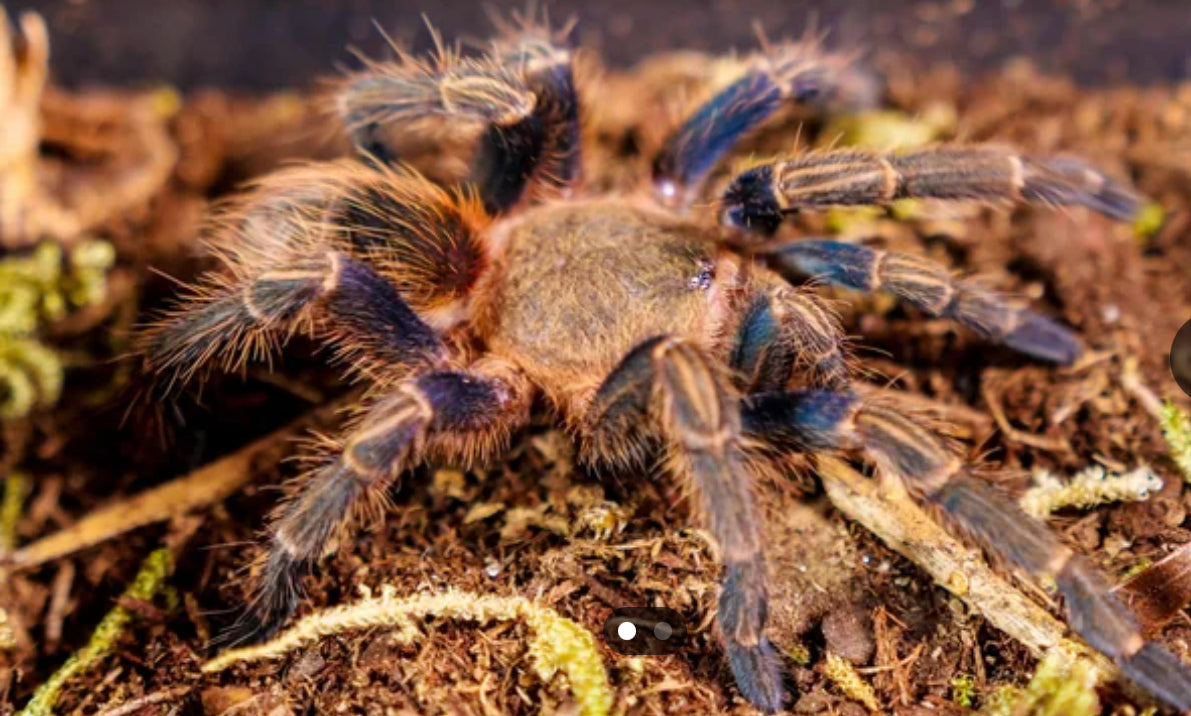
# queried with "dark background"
point(262, 44)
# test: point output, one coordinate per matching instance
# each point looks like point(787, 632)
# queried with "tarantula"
point(645, 325)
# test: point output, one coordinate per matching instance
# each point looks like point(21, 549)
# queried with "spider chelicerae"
point(649, 323)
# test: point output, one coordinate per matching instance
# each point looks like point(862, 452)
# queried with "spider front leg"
point(543, 151)
point(521, 103)
point(670, 383)
point(905, 448)
point(928, 286)
point(759, 198)
point(792, 73)
point(376, 259)
point(455, 416)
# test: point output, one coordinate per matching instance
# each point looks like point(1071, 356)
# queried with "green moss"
point(963, 690)
point(16, 484)
point(1062, 685)
point(37, 288)
point(889, 130)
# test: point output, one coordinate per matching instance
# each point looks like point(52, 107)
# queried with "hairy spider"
point(640, 320)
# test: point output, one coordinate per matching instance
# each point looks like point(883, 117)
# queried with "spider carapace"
point(638, 319)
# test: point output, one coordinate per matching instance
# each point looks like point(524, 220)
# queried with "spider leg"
point(760, 197)
point(542, 150)
point(463, 416)
point(782, 331)
point(672, 382)
point(792, 73)
point(377, 258)
point(816, 420)
point(522, 103)
point(929, 287)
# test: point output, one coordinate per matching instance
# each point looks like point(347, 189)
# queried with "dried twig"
point(201, 488)
point(157, 697)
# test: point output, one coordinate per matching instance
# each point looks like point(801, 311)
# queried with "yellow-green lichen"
point(1089, 487)
point(888, 130)
point(841, 673)
point(148, 582)
point(1149, 219)
point(799, 654)
point(1062, 685)
point(963, 690)
point(1176, 428)
point(15, 486)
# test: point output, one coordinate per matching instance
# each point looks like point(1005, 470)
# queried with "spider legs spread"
point(247, 317)
point(462, 416)
point(926, 285)
point(672, 383)
point(760, 197)
point(815, 420)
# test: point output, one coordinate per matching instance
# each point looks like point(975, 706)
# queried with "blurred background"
point(266, 44)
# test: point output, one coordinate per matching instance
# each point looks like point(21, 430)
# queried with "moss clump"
point(35, 289)
point(1088, 488)
point(1149, 219)
point(963, 690)
point(841, 673)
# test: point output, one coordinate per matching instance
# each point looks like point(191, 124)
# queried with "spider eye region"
point(704, 275)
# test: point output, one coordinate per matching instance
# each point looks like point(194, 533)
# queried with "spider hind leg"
point(462, 416)
point(369, 257)
point(815, 420)
point(670, 382)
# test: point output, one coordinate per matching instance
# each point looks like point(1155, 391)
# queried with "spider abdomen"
point(577, 285)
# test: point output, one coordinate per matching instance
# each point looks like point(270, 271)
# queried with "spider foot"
point(742, 614)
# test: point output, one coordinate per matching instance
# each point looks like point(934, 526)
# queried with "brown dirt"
point(835, 586)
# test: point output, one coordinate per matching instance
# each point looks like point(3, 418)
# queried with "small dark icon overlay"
point(1180, 358)
point(645, 631)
